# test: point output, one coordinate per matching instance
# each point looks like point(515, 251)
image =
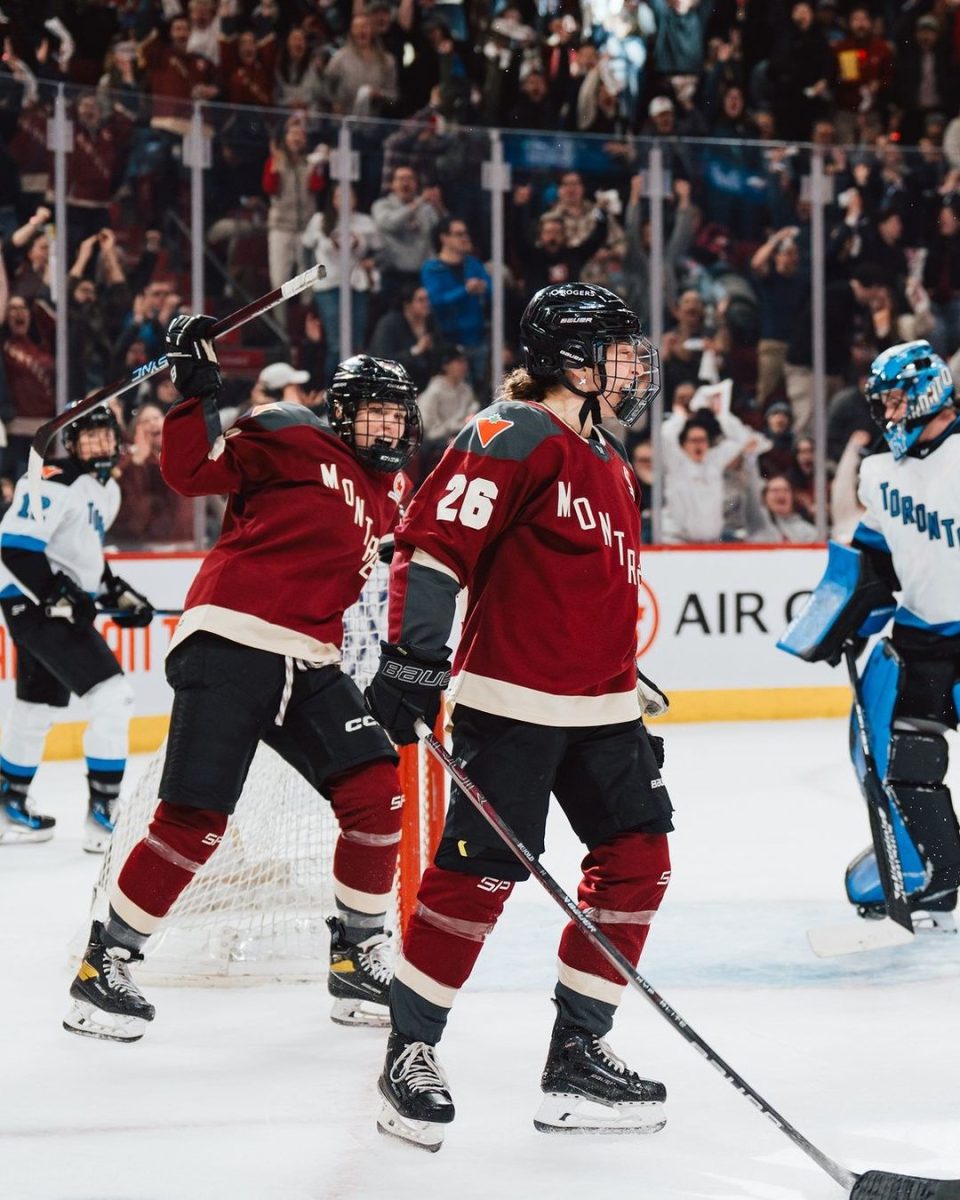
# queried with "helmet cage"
point(347, 417)
point(101, 465)
point(927, 387)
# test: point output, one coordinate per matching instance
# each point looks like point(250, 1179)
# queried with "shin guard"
point(623, 883)
point(178, 842)
point(368, 803)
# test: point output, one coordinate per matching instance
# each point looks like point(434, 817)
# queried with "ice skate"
point(359, 978)
point(416, 1095)
point(107, 1003)
point(587, 1089)
point(19, 823)
point(99, 825)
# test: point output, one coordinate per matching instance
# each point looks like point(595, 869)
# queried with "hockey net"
point(256, 910)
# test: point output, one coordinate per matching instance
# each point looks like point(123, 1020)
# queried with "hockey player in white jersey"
point(908, 541)
point(53, 574)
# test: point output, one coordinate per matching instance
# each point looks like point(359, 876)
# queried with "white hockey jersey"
point(913, 512)
point(77, 512)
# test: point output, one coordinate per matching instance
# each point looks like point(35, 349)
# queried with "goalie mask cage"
point(255, 911)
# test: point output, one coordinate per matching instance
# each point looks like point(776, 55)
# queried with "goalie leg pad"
point(178, 842)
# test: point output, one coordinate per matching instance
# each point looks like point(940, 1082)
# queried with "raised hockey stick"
point(872, 1185)
point(48, 431)
point(880, 804)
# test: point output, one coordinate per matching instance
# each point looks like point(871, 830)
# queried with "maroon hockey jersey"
point(300, 535)
point(543, 528)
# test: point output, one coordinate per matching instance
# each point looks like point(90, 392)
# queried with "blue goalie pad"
point(847, 596)
point(862, 880)
point(880, 687)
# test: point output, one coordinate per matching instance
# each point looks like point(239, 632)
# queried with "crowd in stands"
point(739, 95)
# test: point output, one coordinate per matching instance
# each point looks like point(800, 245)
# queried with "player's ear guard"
point(849, 603)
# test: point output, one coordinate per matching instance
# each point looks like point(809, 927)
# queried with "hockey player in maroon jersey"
point(535, 510)
point(255, 658)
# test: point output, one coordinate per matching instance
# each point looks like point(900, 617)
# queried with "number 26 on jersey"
point(470, 503)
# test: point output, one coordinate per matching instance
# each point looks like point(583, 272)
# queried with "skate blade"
point(561, 1112)
point(360, 1012)
point(423, 1135)
point(89, 1021)
point(13, 835)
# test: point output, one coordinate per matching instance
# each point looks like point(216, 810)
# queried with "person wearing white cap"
point(280, 381)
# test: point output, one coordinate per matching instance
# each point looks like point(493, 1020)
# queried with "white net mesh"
point(256, 909)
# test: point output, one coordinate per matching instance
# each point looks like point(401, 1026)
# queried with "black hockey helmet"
point(361, 381)
point(100, 465)
point(570, 325)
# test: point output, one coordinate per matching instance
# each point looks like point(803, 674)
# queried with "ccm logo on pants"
point(356, 723)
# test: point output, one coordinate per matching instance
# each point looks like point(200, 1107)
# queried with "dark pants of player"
point(54, 661)
point(607, 782)
point(227, 699)
point(918, 761)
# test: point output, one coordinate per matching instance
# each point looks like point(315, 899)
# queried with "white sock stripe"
point(423, 985)
point(612, 916)
point(474, 931)
point(365, 902)
point(586, 984)
point(162, 850)
point(136, 917)
point(370, 839)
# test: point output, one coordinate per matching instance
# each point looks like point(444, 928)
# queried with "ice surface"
point(253, 1094)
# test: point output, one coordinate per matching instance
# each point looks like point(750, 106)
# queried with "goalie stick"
point(44, 436)
point(881, 804)
point(872, 1185)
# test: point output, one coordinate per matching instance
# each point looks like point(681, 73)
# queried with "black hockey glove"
point(134, 610)
point(656, 745)
point(194, 366)
point(404, 688)
point(67, 601)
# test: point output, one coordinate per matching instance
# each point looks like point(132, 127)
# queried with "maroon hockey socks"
point(368, 804)
point(178, 842)
point(624, 881)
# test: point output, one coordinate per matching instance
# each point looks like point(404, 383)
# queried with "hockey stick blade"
point(891, 1186)
point(44, 436)
point(883, 1185)
point(880, 805)
point(833, 941)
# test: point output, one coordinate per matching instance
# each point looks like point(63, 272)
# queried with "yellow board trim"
point(729, 704)
point(66, 740)
point(757, 704)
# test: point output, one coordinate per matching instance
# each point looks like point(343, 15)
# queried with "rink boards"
point(708, 621)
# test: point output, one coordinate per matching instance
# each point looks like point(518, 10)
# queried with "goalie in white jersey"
point(53, 573)
point(908, 541)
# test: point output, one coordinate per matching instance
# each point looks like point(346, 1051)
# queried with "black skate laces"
point(375, 957)
point(417, 1067)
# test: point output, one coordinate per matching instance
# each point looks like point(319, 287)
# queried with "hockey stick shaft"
point(125, 612)
point(880, 806)
point(598, 939)
point(44, 436)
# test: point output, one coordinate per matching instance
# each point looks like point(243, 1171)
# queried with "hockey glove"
point(67, 601)
point(653, 702)
point(404, 688)
point(194, 366)
point(135, 610)
point(656, 745)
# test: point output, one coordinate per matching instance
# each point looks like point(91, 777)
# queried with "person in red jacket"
point(535, 511)
point(255, 657)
